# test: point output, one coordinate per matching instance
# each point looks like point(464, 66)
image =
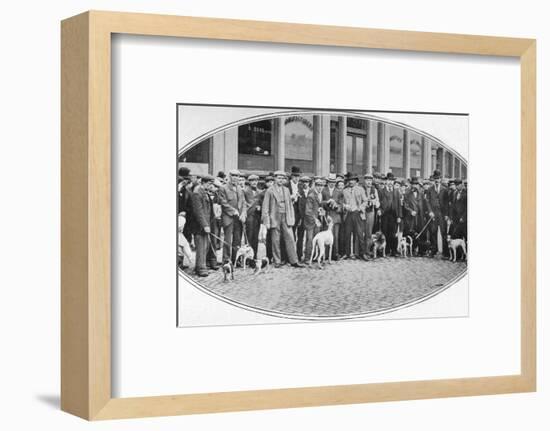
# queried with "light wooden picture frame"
point(86, 213)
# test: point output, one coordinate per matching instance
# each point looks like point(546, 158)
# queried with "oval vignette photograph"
point(289, 215)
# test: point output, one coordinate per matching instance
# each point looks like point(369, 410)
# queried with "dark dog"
point(420, 247)
point(228, 271)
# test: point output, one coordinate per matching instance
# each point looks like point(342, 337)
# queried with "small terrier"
point(228, 271)
point(244, 253)
point(378, 244)
point(405, 245)
point(261, 258)
point(454, 245)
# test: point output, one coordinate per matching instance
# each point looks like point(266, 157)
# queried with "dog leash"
point(211, 246)
point(423, 229)
point(217, 237)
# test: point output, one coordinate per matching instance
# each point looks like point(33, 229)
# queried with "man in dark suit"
point(390, 208)
point(437, 197)
point(254, 199)
point(373, 204)
point(415, 206)
point(234, 208)
point(312, 222)
point(278, 218)
point(201, 224)
point(184, 198)
point(294, 189)
point(300, 229)
point(334, 205)
point(451, 191)
point(459, 211)
point(268, 182)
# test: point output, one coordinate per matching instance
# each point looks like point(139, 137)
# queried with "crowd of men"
point(226, 211)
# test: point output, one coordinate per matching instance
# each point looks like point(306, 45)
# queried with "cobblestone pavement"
point(347, 287)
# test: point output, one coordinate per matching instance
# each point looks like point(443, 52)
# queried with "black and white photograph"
point(308, 214)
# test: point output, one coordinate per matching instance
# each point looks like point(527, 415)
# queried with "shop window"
point(256, 146)
point(200, 153)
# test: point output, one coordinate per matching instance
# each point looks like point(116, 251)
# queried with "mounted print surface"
point(289, 215)
point(382, 300)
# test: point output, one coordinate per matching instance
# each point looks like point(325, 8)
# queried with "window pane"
point(200, 153)
point(299, 143)
point(416, 156)
point(349, 153)
point(396, 150)
point(359, 143)
point(255, 146)
point(375, 156)
point(356, 123)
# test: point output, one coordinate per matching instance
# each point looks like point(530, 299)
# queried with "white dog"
point(320, 241)
point(454, 245)
point(244, 253)
point(184, 249)
point(261, 254)
point(405, 245)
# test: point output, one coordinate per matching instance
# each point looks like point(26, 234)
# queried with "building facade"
point(323, 144)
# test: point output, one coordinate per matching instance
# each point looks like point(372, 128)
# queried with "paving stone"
point(343, 288)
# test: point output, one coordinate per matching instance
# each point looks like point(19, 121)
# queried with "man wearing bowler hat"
point(234, 209)
point(278, 218)
point(373, 203)
point(390, 213)
point(459, 211)
point(415, 207)
point(437, 198)
point(201, 225)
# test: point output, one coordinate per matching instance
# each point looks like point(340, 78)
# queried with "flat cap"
point(207, 179)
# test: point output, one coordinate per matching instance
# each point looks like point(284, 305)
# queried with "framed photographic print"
point(321, 154)
point(265, 215)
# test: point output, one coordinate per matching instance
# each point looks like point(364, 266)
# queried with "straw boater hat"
point(331, 178)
